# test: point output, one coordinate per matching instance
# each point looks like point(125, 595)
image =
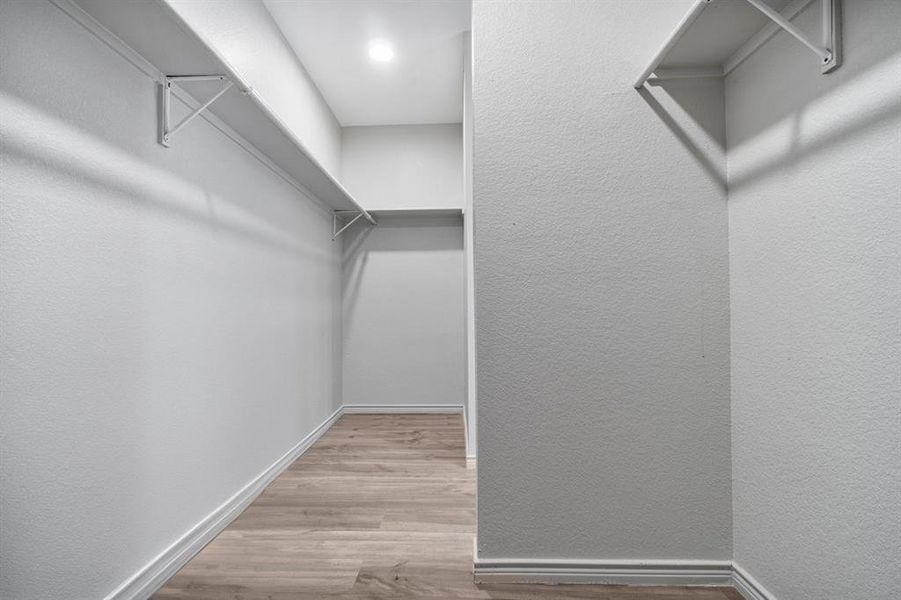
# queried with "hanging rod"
point(828, 53)
point(166, 131)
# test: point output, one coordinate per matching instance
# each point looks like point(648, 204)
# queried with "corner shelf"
point(158, 42)
point(436, 213)
point(344, 219)
point(715, 36)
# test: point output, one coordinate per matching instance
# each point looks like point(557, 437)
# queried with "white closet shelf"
point(343, 219)
point(417, 212)
point(715, 36)
point(151, 36)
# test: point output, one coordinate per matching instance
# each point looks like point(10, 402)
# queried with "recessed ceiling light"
point(380, 51)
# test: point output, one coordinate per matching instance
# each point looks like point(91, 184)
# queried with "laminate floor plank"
point(382, 506)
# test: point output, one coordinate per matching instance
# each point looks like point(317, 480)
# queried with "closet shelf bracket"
point(828, 57)
point(166, 130)
point(341, 214)
point(828, 49)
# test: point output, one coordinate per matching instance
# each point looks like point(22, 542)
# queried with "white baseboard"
point(618, 572)
point(153, 575)
point(494, 570)
point(375, 409)
point(747, 586)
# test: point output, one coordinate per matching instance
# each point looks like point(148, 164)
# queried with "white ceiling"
point(424, 82)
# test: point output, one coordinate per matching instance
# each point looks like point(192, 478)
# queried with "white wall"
point(404, 166)
point(244, 34)
point(170, 317)
point(403, 312)
point(815, 261)
point(601, 289)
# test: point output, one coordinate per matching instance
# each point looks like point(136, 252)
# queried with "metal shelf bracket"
point(166, 130)
point(828, 49)
point(341, 214)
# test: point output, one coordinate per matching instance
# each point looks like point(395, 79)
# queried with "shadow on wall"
point(817, 124)
point(794, 80)
point(353, 263)
point(392, 234)
point(701, 102)
point(112, 168)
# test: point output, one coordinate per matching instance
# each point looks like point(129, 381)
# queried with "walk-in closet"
point(450, 299)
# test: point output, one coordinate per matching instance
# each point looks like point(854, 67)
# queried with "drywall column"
point(170, 316)
point(601, 289)
point(815, 261)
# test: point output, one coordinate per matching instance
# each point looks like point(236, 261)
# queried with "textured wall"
point(404, 166)
point(815, 260)
point(245, 35)
point(403, 312)
point(169, 319)
point(601, 290)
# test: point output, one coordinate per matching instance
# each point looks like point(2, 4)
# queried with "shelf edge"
point(262, 106)
point(689, 18)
